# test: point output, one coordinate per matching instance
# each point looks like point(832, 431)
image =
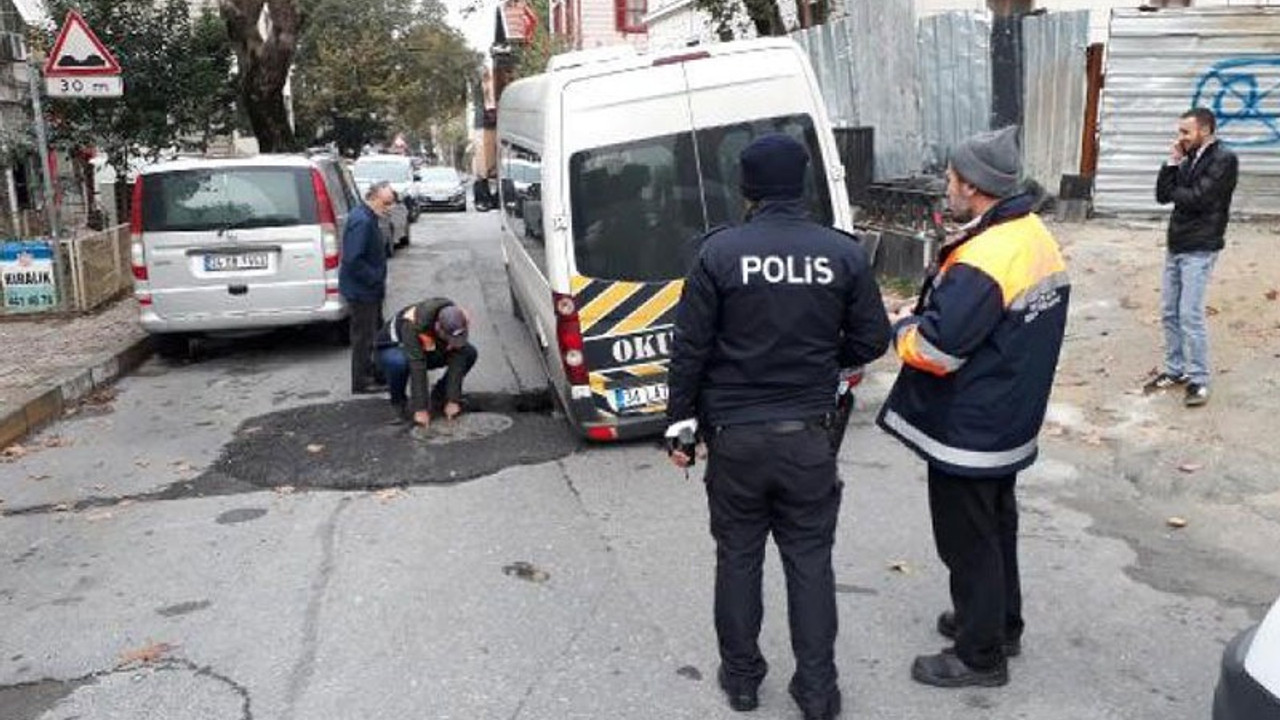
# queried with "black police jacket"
point(1200, 191)
point(770, 312)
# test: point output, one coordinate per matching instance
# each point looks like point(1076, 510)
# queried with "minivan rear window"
point(225, 198)
point(639, 208)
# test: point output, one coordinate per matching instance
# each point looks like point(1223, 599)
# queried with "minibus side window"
point(521, 192)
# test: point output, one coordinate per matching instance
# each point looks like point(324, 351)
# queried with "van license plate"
point(243, 261)
point(634, 397)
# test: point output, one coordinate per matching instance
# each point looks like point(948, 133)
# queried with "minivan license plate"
point(634, 397)
point(243, 261)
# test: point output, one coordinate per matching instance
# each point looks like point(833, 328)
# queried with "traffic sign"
point(79, 53)
point(85, 86)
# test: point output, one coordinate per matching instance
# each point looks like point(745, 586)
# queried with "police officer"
point(770, 312)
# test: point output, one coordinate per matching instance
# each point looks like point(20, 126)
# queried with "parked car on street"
point(442, 187)
point(238, 244)
point(1249, 686)
point(397, 170)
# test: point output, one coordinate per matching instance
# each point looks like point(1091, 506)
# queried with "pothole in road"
point(173, 689)
point(359, 445)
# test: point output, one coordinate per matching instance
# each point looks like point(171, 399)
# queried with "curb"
point(45, 405)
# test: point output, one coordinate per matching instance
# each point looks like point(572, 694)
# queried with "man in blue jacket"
point(362, 280)
point(979, 352)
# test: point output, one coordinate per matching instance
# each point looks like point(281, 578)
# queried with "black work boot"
point(822, 710)
point(947, 670)
point(742, 697)
point(1012, 647)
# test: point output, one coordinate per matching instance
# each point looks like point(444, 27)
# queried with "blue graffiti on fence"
point(1233, 90)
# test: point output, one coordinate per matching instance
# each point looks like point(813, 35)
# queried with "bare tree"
point(265, 36)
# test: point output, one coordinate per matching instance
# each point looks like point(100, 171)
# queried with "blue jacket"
point(362, 276)
point(980, 352)
point(770, 312)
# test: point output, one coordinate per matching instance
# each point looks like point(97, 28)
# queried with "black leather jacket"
point(1201, 195)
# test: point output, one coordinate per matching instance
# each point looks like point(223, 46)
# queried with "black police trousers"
point(975, 528)
point(760, 481)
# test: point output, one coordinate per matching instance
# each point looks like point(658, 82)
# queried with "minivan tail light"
point(677, 59)
point(137, 253)
point(569, 339)
point(328, 221)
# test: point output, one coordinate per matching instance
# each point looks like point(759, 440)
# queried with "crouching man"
point(424, 336)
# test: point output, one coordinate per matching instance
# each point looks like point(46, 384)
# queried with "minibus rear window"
point(640, 208)
point(226, 198)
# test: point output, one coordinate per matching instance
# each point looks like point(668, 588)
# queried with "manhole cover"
point(469, 426)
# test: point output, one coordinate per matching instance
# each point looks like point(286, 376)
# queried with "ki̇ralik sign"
point(27, 277)
point(80, 65)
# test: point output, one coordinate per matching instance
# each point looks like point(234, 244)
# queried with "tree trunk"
point(263, 64)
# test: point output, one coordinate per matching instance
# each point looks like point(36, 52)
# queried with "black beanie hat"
point(773, 168)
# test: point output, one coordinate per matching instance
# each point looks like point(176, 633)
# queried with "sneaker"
point(1164, 381)
point(947, 629)
point(1197, 395)
point(946, 669)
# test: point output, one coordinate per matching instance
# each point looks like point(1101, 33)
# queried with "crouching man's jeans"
point(1186, 337)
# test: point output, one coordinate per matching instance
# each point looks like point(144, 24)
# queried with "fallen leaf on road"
point(125, 503)
point(13, 452)
point(99, 515)
point(1272, 294)
point(388, 494)
point(149, 653)
point(285, 490)
point(56, 441)
point(1211, 310)
point(62, 507)
point(526, 571)
point(38, 478)
point(1177, 522)
point(99, 487)
point(315, 448)
point(900, 566)
point(1190, 467)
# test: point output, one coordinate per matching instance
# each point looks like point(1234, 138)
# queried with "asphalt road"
point(178, 551)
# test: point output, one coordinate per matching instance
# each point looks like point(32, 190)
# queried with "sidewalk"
point(49, 364)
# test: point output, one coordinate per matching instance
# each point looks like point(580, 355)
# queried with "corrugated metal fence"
point(955, 80)
point(1054, 48)
point(925, 86)
point(1161, 63)
point(868, 74)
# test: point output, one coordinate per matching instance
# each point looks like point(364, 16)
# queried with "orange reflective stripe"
point(920, 354)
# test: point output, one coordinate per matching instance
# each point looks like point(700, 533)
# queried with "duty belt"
point(781, 427)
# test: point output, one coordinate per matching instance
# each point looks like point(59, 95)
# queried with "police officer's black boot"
point(741, 698)
point(825, 709)
point(947, 670)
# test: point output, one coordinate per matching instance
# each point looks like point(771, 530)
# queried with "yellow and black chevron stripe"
point(615, 307)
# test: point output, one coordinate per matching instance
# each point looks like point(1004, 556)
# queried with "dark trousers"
point(975, 527)
point(760, 482)
point(366, 319)
point(395, 368)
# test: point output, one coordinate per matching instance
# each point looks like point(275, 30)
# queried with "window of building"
point(630, 15)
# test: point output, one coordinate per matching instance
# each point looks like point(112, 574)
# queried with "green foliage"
point(763, 15)
point(178, 89)
point(366, 69)
point(532, 58)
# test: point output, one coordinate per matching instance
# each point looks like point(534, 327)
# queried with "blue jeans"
point(1186, 337)
point(395, 368)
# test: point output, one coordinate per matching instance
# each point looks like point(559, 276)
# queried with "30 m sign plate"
point(100, 86)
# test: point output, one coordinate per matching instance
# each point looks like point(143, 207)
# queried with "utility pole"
point(42, 141)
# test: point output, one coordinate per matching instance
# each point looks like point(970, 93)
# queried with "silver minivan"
point(238, 244)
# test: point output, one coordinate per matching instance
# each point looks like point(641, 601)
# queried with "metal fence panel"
point(955, 80)
point(1161, 63)
point(867, 68)
point(1054, 47)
